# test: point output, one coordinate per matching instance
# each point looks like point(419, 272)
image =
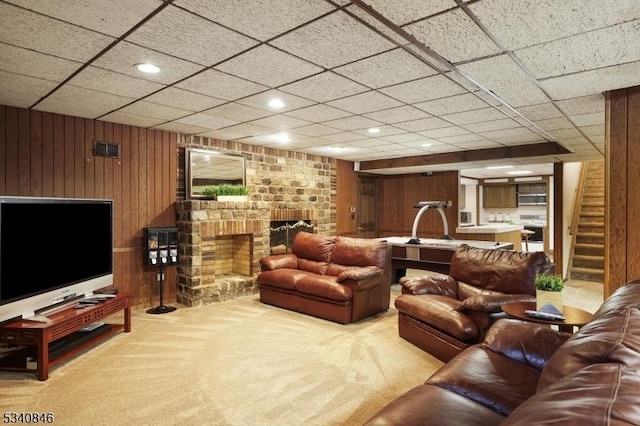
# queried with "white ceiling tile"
point(318, 113)
point(397, 114)
point(102, 80)
point(324, 87)
point(315, 130)
point(596, 130)
point(483, 144)
point(206, 121)
point(512, 136)
point(505, 78)
point(341, 137)
point(333, 40)
point(592, 82)
point(475, 116)
point(565, 133)
point(583, 105)
point(540, 111)
point(582, 52)
point(179, 33)
point(422, 90)
point(280, 122)
point(131, 119)
point(22, 91)
point(180, 128)
point(30, 30)
point(261, 100)
point(588, 119)
point(269, 66)
point(487, 126)
point(124, 56)
point(220, 85)
point(517, 24)
point(245, 130)
point(261, 19)
point(384, 131)
point(403, 138)
point(82, 102)
point(401, 12)
point(365, 102)
point(452, 104)
point(152, 110)
point(444, 132)
point(460, 139)
point(183, 99)
point(386, 69)
point(35, 64)
point(352, 123)
point(423, 124)
point(237, 112)
point(554, 124)
point(113, 18)
point(454, 36)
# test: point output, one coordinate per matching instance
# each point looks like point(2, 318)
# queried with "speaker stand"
point(161, 309)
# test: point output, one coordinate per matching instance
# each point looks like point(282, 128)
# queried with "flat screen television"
point(52, 250)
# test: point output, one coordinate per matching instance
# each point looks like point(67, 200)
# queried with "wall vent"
point(105, 149)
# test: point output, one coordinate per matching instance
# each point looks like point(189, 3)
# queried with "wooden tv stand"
point(61, 332)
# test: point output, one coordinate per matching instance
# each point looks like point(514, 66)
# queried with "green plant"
point(225, 189)
point(549, 282)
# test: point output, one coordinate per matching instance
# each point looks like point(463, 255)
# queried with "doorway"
point(367, 207)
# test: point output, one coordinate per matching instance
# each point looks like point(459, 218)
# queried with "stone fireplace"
point(220, 247)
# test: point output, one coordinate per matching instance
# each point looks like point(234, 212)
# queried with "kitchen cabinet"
point(499, 196)
point(532, 188)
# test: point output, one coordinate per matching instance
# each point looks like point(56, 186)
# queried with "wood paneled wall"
point(50, 155)
point(622, 191)
point(399, 193)
point(346, 196)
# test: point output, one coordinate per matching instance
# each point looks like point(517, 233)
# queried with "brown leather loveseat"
point(340, 279)
point(526, 373)
point(444, 314)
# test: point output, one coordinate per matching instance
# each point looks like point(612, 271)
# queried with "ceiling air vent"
point(105, 149)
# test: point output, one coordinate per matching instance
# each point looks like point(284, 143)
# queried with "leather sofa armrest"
point(492, 302)
point(279, 261)
point(530, 343)
point(361, 278)
point(430, 284)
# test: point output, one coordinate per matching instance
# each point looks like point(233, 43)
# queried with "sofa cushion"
point(324, 286)
point(624, 297)
point(526, 342)
point(432, 405)
point(488, 378)
point(493, 301)
point(612, 338)
point(430, 284)
point(597, 395)
point(283, 278)
point(509, 271)
point(439, 312)
point(313, 266)
point(313, 246)
point(360, 252)
point(358, 273)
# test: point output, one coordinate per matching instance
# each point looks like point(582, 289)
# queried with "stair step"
point(588, 249)
point(591, 262)
point(587, 274)
point(590, 238)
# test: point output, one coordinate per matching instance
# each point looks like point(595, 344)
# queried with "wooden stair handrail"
point(577, 201)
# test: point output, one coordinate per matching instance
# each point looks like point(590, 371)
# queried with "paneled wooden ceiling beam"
point(519, 151)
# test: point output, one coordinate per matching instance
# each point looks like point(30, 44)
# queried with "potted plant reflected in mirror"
point(226, 192)
point(549, 290)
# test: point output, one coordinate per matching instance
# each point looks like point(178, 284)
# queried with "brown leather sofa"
point(525, 373)
point(340, 279)
point(444, 314)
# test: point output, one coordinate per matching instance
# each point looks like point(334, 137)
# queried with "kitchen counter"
point(493, 228)
point(493, 232)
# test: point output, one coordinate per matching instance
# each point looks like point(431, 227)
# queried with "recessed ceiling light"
point(520, 172)
point(425, 145)
point(374, 130)
point(148, 68)
point(276, 103)
point(280, 137)
point(499, 167)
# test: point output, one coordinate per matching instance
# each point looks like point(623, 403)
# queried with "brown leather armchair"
point(444, 314)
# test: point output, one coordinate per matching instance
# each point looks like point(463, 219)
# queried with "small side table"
point(574, 317)
point(526, 234)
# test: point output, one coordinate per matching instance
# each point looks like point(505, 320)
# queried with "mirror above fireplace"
point(208, 167)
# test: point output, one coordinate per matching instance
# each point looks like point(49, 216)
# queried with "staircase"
point(588, 250)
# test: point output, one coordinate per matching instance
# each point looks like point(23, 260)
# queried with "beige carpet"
point(234, 363)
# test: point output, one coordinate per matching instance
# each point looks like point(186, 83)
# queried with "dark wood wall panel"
point(622, 247)
point(50, 155)
point(399, 194)
point(346, 197)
